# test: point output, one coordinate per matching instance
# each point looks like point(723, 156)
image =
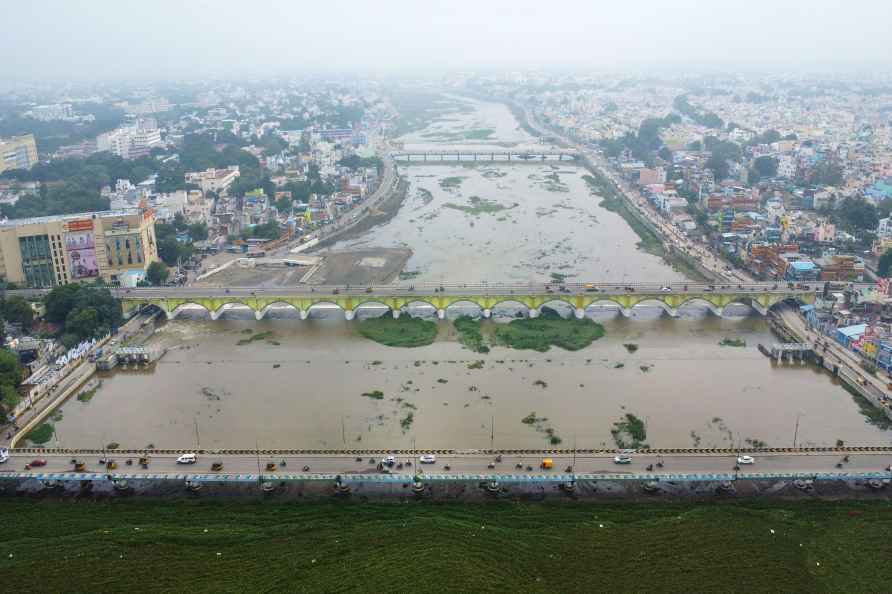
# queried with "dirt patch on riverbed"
point(373, 266)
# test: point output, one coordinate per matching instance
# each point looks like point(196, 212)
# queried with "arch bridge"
point(478, 155)
point(397, 299)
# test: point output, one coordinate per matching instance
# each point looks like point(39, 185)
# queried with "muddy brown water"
point(301, 389)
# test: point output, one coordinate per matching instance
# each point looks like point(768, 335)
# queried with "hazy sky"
point(106, 39)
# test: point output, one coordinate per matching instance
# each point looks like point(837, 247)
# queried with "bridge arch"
point(261, 313)
point(322, 303)
point(608, 301)
point(653, 301)
point(181, 307)
point(373, 303)
point(518, 303)
point(714, 308)
point(465, 302)
point(230, 305)
point(557, 304)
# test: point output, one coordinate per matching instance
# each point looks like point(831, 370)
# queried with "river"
point(505, 223)
point(305, 383)
point(302, 386)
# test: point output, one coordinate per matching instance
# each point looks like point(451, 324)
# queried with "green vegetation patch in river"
point(479, 206)
point(539, 334)
point(404, 331)
point(470, 334)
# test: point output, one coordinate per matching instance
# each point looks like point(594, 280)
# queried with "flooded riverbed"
point(521, 223)
point(504, 222)
point(303, 386)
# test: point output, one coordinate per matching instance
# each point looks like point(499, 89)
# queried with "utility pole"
point(796, 430)
point(343, 433)
point(492, 432)
point(197, 436)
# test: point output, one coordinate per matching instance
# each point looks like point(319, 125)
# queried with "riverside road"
point(792, 462)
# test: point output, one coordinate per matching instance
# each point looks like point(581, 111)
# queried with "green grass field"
point(420, 547)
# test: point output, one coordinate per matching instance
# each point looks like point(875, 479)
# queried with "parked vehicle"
point(622, 459)
point(427, 459)
point(746, 460)
point(187, 459)
point(4, 455)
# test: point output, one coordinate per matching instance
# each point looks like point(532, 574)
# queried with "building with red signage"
point(116, 246)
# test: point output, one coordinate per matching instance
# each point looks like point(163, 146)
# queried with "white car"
point(187, 459)
point(666, 289)
point(4, 455)
point(746, 460)
point(389, 461)
point(622, 459)
point(427, 459)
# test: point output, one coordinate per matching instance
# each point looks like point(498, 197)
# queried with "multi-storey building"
point(18, 152)
point(129, 143)
point(116, 246)
point(213, 180)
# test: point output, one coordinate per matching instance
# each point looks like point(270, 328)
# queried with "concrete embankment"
point(467, 490)
point(832, 358)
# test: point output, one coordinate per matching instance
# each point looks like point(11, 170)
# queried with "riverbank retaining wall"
point(459, 491)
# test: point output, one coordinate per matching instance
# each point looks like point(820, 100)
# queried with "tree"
point(765, 166)
point(858, 214)
point(10, 371)
point(198, 231)
point(16, 310)
point(885, 264)
point(157, 273)
point(82, 311)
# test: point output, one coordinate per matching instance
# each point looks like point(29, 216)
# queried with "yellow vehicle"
point(547, 464)
point(589, 287)
point(79, 466)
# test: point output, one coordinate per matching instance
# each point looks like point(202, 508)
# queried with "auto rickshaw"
point(144, 461)
point(79, 466)
point(217, 466)
point(547, 464)
point(111, 465)
point(270, 466)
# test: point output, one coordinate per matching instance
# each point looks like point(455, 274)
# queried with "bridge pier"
point(441, 313)
point(396, 313)
point(348, 314)
point(258, 314)
point(579, 313)
point(672, 311)
point(304, 314)
point(487, 313)
point(534, 312)
point(215, 315)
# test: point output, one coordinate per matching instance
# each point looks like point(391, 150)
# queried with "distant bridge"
point(476, 156)
point(399, 299)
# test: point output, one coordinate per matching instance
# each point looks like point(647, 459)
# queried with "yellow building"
point(116, 246)
point(18, 152)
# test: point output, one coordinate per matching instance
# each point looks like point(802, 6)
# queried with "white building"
point(129, 143)
point(213, 180)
